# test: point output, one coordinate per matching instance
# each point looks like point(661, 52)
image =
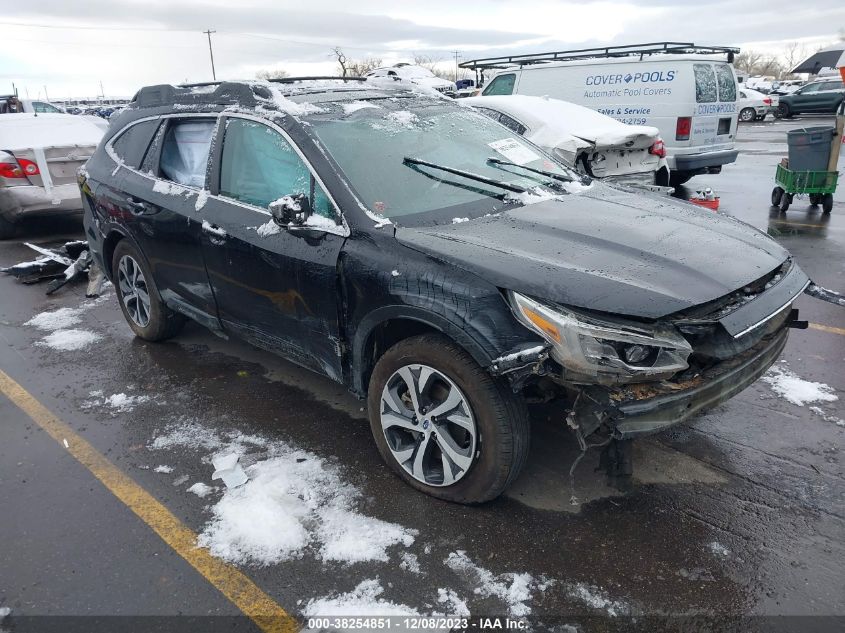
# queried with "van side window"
point(184, 155)
point(705, 83)
point(132, 143)
point(259, 166)
point(40, 106)
point(727, 83)
point(501, 85)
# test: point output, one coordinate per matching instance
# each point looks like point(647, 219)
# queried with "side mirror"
point(290, 210)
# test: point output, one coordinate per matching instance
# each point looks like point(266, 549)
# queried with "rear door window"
point(259, 166)
point(501, 85)
point(131, 145)
point(705, 83)
point(727, 83)
point(184, 155)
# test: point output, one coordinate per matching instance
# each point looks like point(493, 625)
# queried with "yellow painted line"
point(827, 328)
point(269, 616)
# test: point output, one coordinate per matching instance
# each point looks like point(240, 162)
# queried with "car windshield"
point(371, 140)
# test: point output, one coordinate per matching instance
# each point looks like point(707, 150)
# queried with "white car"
point(754, 105)
point(39, 158)
point(416, 75)
point(590, 142)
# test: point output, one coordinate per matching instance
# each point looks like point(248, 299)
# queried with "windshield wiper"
point(466, 174)
point(542, 172)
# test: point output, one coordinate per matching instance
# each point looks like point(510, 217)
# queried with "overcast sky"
point(70, 47)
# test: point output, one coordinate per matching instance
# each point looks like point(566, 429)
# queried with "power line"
point(211, 53)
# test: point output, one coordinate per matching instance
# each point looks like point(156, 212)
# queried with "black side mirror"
point(291, 210)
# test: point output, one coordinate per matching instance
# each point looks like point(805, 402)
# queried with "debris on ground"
point(227, 468)
point(70, 262)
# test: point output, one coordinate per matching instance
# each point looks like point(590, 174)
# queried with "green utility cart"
point(819, 185)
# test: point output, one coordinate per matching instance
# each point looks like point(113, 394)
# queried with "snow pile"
point(268, 228)
point(201, 490)
point(354, 106)
point(364, 600)
point(403, 117)
point(294, 502)
point(60, 319)
point(596, 598)
point(798, 391)
point(163, 469)
point(512, 589)
point(69, 340)
point(452, 603)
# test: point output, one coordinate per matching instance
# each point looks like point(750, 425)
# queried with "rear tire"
point(777, 194)
point(785, 201)
point(747, 115)
point(7, 229)
point(496, 453)
point(815, 199)
point(678, 178)
point(138, 295)
point(783, 111)
point(827, 202)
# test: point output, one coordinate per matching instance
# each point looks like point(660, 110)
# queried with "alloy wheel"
point(428, 424)
point(133, 290)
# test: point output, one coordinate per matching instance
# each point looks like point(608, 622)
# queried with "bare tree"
point(432, 64)
point(354, 67)
point(793, 54)
point(271, 73)
point(747, 61)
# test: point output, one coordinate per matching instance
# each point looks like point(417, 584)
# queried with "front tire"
point(777, 194)
point(783, 111)
point(443, 424)
point(139, 299)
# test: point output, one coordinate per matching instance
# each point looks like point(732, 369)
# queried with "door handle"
point(136, 207)
point(214, 230)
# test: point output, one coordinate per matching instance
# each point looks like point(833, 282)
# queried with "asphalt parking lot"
point(737, 513)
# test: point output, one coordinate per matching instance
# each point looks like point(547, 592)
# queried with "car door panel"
point(275, 286)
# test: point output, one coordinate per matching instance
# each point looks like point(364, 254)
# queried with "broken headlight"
point(595, 349)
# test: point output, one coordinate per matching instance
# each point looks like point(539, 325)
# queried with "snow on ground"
point(453, 604)
point(719, 549)
point(201, 490)
point(60, 319)
point(827, 417)
point(163, 469)
point(364, 600)
point(294, 503)
point(69, 340)
point(459, 220)
point(118, 402)
point(594, 597)
point(409, 562)
point(512, 589)
point(796, 390)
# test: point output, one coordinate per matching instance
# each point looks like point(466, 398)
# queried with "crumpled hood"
point(608, 250)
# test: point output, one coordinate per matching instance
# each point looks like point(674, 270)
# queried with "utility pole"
point(211, 53)
point(46, 96)
point(456, 65)
point(102, 92)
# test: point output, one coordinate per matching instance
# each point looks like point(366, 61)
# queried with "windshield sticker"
point(514, 151)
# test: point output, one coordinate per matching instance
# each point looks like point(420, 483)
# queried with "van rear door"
point(714, 120)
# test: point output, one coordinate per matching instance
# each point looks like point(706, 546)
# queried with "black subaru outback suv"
point(419, 253)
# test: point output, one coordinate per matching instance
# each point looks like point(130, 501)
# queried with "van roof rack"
point(290, 80)
point(631, 50)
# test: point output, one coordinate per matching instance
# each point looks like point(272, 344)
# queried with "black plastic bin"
point(809, 148)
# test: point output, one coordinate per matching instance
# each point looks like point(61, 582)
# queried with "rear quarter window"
point(705, 83)
point(727, 83)
point(501, 85)
point(131, 144)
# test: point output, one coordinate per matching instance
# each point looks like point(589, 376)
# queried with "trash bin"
point(809, 148)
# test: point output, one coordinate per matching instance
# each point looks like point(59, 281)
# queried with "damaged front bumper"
point(636, 410)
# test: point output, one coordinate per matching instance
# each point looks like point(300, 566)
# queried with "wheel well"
point(108, 250)
point(384, 336)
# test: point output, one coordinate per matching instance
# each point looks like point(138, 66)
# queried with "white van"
point(688, 92)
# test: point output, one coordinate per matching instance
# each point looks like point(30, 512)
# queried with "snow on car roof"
point(31, 130)
point(551, 120)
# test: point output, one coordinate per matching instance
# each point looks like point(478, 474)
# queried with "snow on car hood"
point(607, 250)
point(553, 123)
point(30, 130)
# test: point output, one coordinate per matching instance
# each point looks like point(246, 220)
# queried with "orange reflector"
point(544, 324)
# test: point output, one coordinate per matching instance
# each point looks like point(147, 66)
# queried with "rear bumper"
point(703, 161)
point(631, 417)
point(29, 199)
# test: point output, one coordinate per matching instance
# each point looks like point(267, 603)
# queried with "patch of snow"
point(351, 537)
point(269, 228)
point(409, 562)
point(403, 117)
point(596, 598)
point(169, 188)
point(69, 340)
point(209, 228)
point(202, 198)
point(827, 417)
point(525, 352)
point(189, 433)
point(60, 319)
point(454, 605)
point(5, 612)
point(395, 273)
point(796, 390)
point(354, 106)
point(180, 480)
point(163, 469)
point(123, 402)
point(719, 549)
point(459, 220)
point(320, 222)
point(364, 600)
point(511, 588)
point(201, 490)
point(577, 187)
